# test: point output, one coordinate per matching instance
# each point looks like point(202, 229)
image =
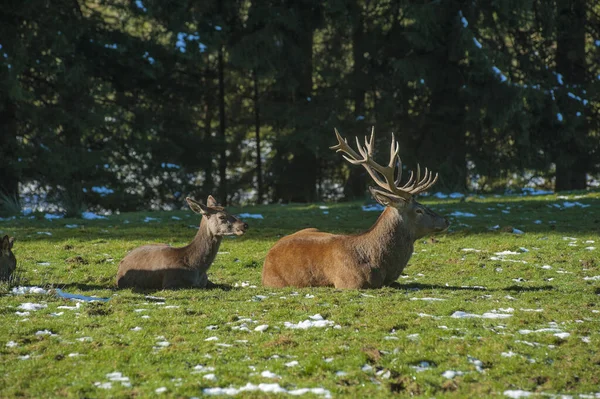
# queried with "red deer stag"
point(162, 266)
point(377, 257)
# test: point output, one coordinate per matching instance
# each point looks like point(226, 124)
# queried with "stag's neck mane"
point(204, 247)
point(389, 242)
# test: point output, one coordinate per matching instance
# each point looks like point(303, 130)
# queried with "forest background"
point(129, 105)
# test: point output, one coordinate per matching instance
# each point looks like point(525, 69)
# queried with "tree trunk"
point(209, 181)
point(9, 173)
point(222, 137)
point(572, 160)
point(356, 183)
point(259, 181)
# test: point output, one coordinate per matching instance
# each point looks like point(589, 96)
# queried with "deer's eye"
point(223, 217)
point(419, 211)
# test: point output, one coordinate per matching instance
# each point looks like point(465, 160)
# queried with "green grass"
point(383, 333)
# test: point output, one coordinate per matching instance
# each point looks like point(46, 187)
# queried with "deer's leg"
point(359, 279)
point(180, 278)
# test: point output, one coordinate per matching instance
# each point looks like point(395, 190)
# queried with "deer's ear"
point(211, 201)
point(11, 241)
point(197, 207)
point(387, 199)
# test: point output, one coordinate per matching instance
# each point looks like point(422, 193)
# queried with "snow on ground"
point(463, 214)
point(28, 290)
point(372, 208)
point(316, 321)
point(489, 315)
point(91, 216)
point(251, 216)
point(266, 388)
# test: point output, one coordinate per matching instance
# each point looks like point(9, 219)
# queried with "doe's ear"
point(388, 199)
point(196, 206)
point(11, 241)
point(211, 201)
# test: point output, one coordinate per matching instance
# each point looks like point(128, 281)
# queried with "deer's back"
point(310, 258)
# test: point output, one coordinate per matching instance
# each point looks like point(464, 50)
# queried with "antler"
point(415, 184)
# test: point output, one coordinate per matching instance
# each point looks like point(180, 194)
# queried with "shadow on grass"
point(512, 288)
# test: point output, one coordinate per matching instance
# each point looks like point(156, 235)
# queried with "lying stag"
point(162, 266)
point(377, 257)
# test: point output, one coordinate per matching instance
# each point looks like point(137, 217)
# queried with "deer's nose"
point(246, 226)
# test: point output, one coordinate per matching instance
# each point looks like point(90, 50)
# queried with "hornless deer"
point(377, 257)
point(162, 266)
point(8, 262)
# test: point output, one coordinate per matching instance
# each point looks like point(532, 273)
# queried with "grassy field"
point(534, 324)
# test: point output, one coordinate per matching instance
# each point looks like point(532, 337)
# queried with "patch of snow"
point(504, 253)
point(32, 306)
point(476, 42)
point(140, 5)
point(210, 377)
point(262, 328)
point(463, 20)
point(269, 374)
point(427, 299)
point(251, 216)
point(372, 208)
point(498, 72)
point(422, 366)
point(568, 204)
point(28, 290)
point(266, 388)
point(595, 278)
point(316, 321)
point(517, 393)
point(91, 216)
point(50, 216)
point(471, 250)
point(293, 363)
point(464, 315)
point(160, 390)
point(463, 214)
point(44, 232)
point(559, 117)
point(167, 165)
point(71, 226)
point(212, 339)
point(440, 195)
point(103, 191)
point(450, 374)
point(11, 344)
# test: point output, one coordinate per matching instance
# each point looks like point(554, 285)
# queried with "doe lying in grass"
point(311, 258)
point(162, 266)
point(8, 262)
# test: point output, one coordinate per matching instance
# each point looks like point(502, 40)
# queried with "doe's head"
point(220, 223)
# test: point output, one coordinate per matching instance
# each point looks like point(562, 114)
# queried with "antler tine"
point(343, 146)
point(409, 182)
point(385, 177)
point(370, 144)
